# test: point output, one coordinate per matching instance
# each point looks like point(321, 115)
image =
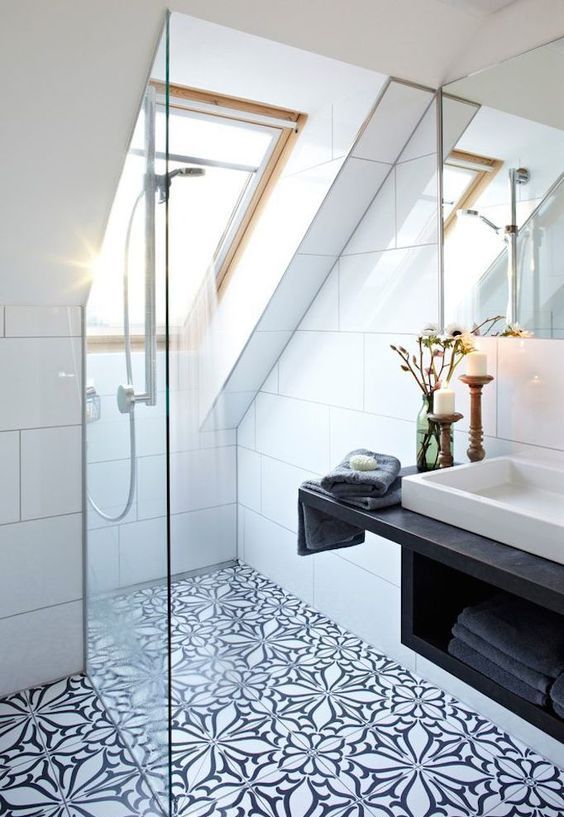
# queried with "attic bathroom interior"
point(282, 506)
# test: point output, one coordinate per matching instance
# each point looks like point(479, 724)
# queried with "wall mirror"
point(503, 193)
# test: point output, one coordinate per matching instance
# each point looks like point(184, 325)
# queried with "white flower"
point(454, 330)
point(429, 330)
point(514, 330)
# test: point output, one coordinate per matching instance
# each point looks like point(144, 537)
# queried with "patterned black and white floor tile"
point(276, 711)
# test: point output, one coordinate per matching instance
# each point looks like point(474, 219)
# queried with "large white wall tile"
point(248, 478)
point(393, 291)
point(280, 483)
point(424, 138)
point(246, 431)
point(41, 382)
point(325, 367)
point(198, 479)
point(107, 484)
point(294, 431)
point(345, 204)
point(323, 313)
point(203, 538)
point(376, 555)
point(375, 613)
point(102, 560)
point(530, 393)
point(393, 122)
point(202, 479)
point(143, 551)
point(43, 321)
point(270, 385)
point(41, 563)
point(9, 476)
point(257, 360)
point(385, 435)
point(388, 390)
point(272, 550)
point(377, 230)
point(40, 646)
point(51, 471)
point(416, 201)
point(296, 290)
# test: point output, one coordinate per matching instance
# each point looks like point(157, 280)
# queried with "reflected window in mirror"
point(503, 193)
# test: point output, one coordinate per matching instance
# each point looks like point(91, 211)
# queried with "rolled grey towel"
point(522, 630)
point(319, 531)
point(529, 676)
point(558, 709)
point(505, 679)
point(344, 482)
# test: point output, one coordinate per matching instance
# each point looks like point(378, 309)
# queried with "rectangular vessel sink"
point(514, 500)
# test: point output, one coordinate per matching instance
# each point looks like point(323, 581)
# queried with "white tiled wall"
point(338, 386)
point(203, 486)
point(334, 386)
point(40, 495)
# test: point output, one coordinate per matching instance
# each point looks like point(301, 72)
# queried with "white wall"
point(338, 386)
point(40, 495)
point(203, 482)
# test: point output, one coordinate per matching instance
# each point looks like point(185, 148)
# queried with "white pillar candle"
point(443, 401)
point(476, 364)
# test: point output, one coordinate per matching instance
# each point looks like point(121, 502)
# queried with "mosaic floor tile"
point(276, 712)
point(20, 740)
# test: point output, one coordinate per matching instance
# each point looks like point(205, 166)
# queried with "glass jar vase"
point(428, 437)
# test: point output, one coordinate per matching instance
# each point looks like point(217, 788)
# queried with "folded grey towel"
point(522, 630)
point(505, 679)
point(319, 531)
point(529, 676)
point(557, 692)
point(344, 481)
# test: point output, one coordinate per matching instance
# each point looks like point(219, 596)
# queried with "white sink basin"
point(514, 500)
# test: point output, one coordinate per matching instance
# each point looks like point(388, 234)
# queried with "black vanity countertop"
point(532, 577)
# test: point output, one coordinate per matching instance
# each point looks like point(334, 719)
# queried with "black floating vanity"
point(445, 569)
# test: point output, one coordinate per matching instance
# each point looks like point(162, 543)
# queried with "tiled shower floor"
point(278, 712)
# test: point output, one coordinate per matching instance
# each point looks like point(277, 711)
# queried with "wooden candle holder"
point(476, 383)
point(445, 421)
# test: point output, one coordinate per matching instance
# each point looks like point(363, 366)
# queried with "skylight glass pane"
point(216, 139)
point(456, 181)
point(200, 210)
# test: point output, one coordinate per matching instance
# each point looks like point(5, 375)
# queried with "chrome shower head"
point(163, 182)
point(469, 213)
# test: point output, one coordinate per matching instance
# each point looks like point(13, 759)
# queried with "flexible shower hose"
point(129, 376)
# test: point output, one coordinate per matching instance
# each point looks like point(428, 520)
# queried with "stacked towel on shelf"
point(516, 643)
point(557, 696)
point(368, 490)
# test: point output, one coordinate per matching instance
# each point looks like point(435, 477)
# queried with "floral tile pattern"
point(276, 711)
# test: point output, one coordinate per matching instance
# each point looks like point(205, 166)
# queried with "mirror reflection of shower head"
point(469, 213)
point(163, 182)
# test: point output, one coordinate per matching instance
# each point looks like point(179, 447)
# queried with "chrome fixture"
point(126, 395)
point(517, 175)
point(163, 182)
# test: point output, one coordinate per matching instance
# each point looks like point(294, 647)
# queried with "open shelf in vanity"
point(444, 569)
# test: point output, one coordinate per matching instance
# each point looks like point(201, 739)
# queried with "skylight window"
point(241, 145)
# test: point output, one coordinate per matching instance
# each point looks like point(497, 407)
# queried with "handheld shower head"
point(163, 182)
point(469, 213)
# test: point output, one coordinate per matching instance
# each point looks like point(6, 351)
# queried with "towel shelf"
point(464, 567)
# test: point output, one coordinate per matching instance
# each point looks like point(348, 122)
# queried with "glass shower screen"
point(127, 574)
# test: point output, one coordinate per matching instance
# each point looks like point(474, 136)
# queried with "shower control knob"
point(125, 398)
